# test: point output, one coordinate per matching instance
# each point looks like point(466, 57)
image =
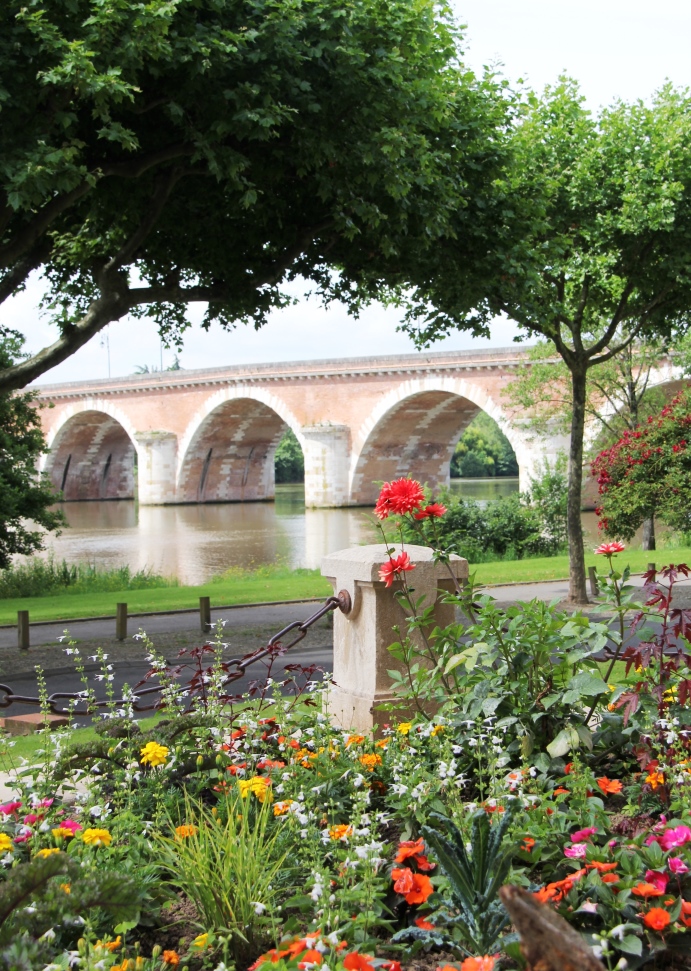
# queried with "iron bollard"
point(594, 586)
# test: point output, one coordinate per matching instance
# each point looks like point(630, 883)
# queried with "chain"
point(341, 602)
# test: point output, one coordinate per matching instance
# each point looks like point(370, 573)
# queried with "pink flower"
point(583, 834)
point(31, 818)
point(576, 852)
point(677, 865)
point(9, 807)
point(658, 880)
point(71, 825)
point(396, 565)
point(677, 836)
point(610, 549)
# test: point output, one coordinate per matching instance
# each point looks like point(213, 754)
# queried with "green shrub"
point(42, 578)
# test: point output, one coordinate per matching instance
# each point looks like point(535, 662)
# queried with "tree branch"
point(19, 273)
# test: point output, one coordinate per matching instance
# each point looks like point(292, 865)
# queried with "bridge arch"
point(227, 451)
point(414, 430)
point(92, 453)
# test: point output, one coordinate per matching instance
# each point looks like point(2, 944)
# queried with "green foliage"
point(25, 498)
point(483, 450)
point(648, 473)
point(44, 578)
point(229, 867)
point(289, 461)
point(475, 875)
point(225, 148)
point(548, 495)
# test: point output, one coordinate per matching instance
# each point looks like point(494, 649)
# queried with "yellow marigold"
point(201, 940)
point(66, 888)
point(404, 728)
point(340, 832)
point(260, 786)
point(62, 833)
point(182, 832)
point(370, 761)
point(48, 852)
point(6, 844)
point(437, 730)
point(110, 945)
point(153, 754)
point(97, 837)
point(655, 779)
point(354, 740)
point(281, 808)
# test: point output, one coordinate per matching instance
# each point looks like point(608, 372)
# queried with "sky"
point(615, 49)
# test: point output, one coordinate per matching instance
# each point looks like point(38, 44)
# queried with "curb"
point(165, 613)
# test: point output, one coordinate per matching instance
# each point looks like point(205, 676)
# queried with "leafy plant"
point(475, 875)
point(228, 864)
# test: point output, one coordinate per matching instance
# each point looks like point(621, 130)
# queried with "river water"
point(197, 541)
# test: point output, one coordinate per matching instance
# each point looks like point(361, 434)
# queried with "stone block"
point(362, 637)
point(33, 722)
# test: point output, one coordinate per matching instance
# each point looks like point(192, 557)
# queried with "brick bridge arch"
point(414, 431)
point(227, 451)
point(92, 453)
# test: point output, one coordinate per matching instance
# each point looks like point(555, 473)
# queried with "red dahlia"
point(400, 496)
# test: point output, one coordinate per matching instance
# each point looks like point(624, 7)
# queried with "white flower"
point(259, 908)
point(48, 936)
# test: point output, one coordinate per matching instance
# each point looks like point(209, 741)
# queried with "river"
point(197, 541)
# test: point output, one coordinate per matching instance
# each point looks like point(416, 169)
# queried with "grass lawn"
point(14, 748)
point(281, 584)
point(245, 588)
point(557, 567)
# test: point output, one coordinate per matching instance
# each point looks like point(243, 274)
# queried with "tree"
point(483, 450)
point(618, 394)
point(648, 473)
point(289, 461)
point(153, 155)
point(595, 251)
point(24, 497)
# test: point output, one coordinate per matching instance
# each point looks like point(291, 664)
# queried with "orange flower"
point(527, 844)
point(479, 964)
point(415, 887)
point(310, 957)
point(171, 957)
point(340, 832)
point(354, 740)
point(408, 848)
point(602, 867)
point(370, 762)
point(423, 924)
point(610, 878)
point(561, 791)
point(685, 909)
point(646, 890)
point(656, 919)
point(182, 832)
point(610, 787)
point(655, 779)
point(357, 962)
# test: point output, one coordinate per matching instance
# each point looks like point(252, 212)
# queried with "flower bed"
point(252, 833)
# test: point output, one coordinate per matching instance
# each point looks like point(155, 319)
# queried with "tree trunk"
point(577, 588)
point(648, 542)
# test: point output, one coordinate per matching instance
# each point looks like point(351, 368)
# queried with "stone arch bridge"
point(210, 435)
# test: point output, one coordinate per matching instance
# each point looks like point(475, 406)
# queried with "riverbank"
point(283, 585)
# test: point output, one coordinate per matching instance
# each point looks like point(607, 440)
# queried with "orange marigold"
point(370, 761)
point(171, 958)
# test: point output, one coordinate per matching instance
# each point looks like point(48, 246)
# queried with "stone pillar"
point(327, 455)
point(362, 637)
point(157, 467)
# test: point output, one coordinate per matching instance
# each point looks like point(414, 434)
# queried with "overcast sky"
point(616, 49)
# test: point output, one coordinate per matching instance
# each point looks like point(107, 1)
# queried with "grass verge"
point(280, 584)
point(557, 567)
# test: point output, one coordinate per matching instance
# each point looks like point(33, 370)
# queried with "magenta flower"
point(576, 852)
point(71, 825)
point(658, 880)
point(583, 834)
point(677, 865)
point(8, 808)
point(30, 819)
point(677, 836)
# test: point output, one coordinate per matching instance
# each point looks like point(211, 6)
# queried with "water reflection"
point(195, 542)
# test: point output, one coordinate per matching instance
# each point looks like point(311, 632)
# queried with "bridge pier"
point(158, 454)
point(327, 453)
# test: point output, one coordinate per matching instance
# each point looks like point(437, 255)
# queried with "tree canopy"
point(25, 499)
point(594, 249)
point(159, 153)
point(648, 473)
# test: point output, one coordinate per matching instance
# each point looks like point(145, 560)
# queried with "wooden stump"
point(548, 942)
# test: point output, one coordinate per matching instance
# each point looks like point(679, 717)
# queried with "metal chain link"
point(341, 602)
